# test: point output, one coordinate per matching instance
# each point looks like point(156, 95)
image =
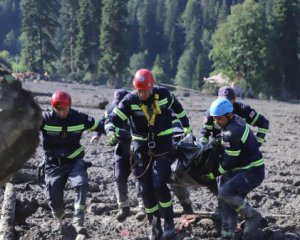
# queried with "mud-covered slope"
point(277, 198)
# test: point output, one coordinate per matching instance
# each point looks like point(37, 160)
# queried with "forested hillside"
point(255, 43)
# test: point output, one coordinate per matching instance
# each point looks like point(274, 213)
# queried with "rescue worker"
point(245, 111)
point(242, 170)
point(62, 129)
point(121, 165)
point(148, 110)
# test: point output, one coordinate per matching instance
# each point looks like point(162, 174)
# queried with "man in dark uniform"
point(62, 130)
point(148, 110)
point(242, 170)
point(122, 167)
point(122, 162)
point(245, 111)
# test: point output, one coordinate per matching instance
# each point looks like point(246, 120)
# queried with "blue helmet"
point(220, 107)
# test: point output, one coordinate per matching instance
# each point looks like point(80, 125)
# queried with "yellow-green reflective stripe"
point(242, 206)
point(78, 206)
point(187, 130)
point(209, 127)
point(253, 164)
point(255, 119)
point(233, 153)
point(172, 102)
point(221, 169)
point(245, 134)
point(96, 123)
point(176, 121)
point(53, 128)
point(76, 153)
point(75, 128)
point(151, 210)
point(135, 107)
point(181, 115)
point(166, 132)
point(226, 234)
point(166, 204)
point(163, 102)
point(108, 125)
point(117, 131)
point(262, 130)
point(135, 137)
point(210, 176)
point(260, 140)
point(120, 114)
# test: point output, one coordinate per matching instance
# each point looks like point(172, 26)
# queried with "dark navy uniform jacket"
point(241, 147)
point(245, 111)
point(118, 97)
point(61, 137)
point(129, 109)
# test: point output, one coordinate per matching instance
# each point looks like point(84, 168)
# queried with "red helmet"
point(61, 99)
point(143, 80)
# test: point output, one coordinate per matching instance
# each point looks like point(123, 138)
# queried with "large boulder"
point(20, 119)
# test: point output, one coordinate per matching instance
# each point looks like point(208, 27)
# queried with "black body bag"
point(194, 162)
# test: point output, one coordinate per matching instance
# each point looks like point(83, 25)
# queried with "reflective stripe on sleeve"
point(163, 102)
point(181, 115)
point(96, 123)
point(245, 134)
point(262, 130)
point(255, 119)
point(233, 153)
point(120, 114)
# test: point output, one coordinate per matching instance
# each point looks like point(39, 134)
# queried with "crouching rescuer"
point(241, 170)
point(148, 110)
point(62, 129)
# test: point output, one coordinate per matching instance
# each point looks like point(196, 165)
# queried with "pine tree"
point(87, 40)
point(39, 27)
point(113, 35)
point(285, 24)
point(173, 33)
point(69, 32)
point(193, 28)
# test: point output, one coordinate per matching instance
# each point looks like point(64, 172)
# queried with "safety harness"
point(150, 115)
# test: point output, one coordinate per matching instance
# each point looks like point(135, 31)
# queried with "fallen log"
point(8, 213)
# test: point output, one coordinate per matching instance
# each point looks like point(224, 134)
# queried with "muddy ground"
point(277, 198)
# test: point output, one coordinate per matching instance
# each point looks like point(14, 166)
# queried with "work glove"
point(112, 138)
point(203, 141)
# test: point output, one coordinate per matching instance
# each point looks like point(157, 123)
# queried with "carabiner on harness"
point(151, 142)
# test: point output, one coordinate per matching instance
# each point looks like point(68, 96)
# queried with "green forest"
point(253, 43)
